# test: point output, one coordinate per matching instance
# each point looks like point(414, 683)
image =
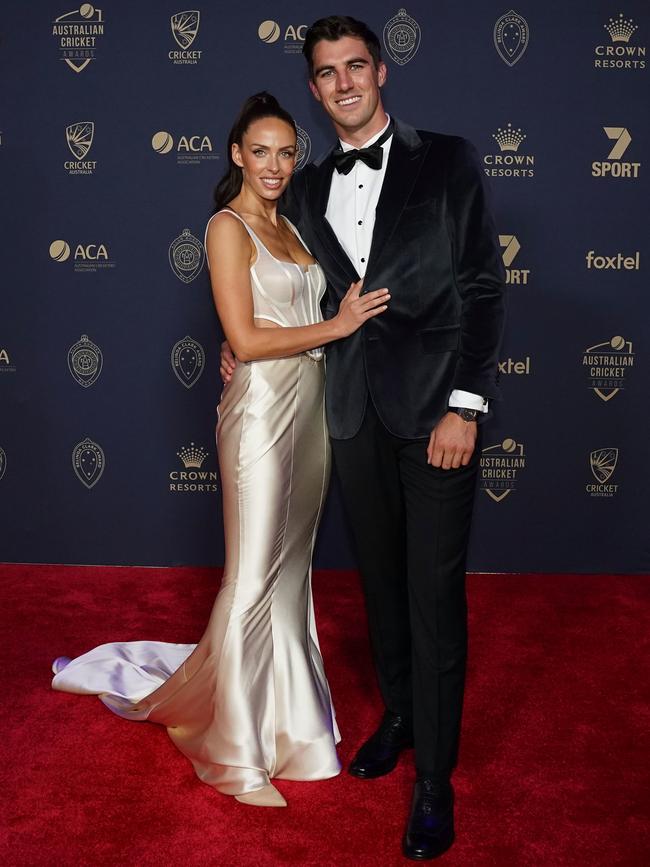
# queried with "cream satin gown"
point(250, 702)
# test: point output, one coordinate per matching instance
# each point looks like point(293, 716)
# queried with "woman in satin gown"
point(250, 702)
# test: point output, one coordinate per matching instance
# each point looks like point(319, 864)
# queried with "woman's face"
point(267, 156)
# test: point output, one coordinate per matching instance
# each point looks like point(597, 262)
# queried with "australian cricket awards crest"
point(3, 462)
point(511, 37)
point(186, 256)
point(500, 468)
point(88, 462)
point(303, 143)
point(85, 361)
point(188, 361)
point(402, 37)
point(79, 137)
point(185, 26)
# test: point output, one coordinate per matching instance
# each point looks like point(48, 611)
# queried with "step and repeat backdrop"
point(113, 125)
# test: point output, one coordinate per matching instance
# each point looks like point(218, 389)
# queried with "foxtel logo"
point(615, 263)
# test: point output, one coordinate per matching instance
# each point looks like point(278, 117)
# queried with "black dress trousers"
point(411, 523)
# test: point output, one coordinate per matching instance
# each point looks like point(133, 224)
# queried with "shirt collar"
point(348, 147)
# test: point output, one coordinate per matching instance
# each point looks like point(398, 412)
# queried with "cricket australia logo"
point(185, 26)
point(79, 137)
point(402, 37)
point(188, 361)
point(88, 462)
point(85, 361)
point(186, 256)
point(511, 37)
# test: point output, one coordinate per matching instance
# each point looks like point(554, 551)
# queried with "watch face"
point(468, 414)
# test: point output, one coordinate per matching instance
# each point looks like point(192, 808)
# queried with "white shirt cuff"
point(468, 400)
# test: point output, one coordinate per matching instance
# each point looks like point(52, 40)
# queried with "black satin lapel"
point(318, 190)
point(402, 172)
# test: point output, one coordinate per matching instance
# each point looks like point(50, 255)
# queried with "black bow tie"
point(372, 156)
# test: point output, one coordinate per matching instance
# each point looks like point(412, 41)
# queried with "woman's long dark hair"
point(256, 107)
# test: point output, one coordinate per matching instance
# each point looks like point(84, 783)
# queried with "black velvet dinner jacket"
point(435, 247)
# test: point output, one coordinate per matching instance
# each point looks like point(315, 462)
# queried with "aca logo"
point(617, 262)
point(5, 362)
point(511, 36)
point(77, 33)
point(79, 138)
point(293, 35)
point(87, 258)
point(85, 361)
point(508, 162)
point(192, 478)
point(602, 463)
point(608, 365)
point(614, 166)
point(189, 149)
point(186, 256)
point(511, 248)
point(188, 361)
point(402, 36)
point(88, 462)
point(3, 462)
point(185, 27)
point(619, 54)
point(500, 467)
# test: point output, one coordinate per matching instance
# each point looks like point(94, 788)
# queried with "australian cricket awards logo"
point(402, 36)
point(303, 144)
point(188, 361)
point(511, 37)
point(614, 166)
point(185, 27)
point(88, 462)
point(79, 138)
point(500, 468)
point(85, 361)
point(618, 53)
point(190, 150)
point(3, 462)
point(87, 257)
point(77, 33)
point(192, 478)
point(186, 256)
point(515, 276)
point(602, 463)
point(507, 162)
point(607, 365)
point(5, 362)
point(270, 32)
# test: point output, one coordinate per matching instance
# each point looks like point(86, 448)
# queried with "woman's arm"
point(229, 250)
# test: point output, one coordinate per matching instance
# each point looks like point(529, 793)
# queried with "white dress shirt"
point(351, 210)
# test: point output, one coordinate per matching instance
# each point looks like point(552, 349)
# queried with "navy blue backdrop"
point(112, 131)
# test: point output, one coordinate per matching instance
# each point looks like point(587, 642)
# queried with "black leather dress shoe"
point(379, 754)
point(430, 827)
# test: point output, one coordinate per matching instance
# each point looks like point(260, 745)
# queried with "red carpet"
point(554, 758)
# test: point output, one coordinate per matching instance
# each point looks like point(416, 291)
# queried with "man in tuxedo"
point(405, 209)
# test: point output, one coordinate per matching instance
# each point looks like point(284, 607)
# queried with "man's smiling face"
point(346, 83)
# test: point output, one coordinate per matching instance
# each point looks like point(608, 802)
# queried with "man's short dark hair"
point(335, 27)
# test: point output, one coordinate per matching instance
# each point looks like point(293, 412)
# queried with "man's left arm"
point(479, 280)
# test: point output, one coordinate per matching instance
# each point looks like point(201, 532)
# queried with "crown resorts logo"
point(617, 262)
point(87, 258)
point(294, 35)
point(511, 248)
point(3, 462)
point(190, 150)
point(5, 362)
point(79, 138)
point(192, 478)
point(508, 162)
point(88, 462)
point(500, 466)
point(185, 27)
point(402, 36)
point(511, 37)
point(85, 361)
point(188, 361)
point(619, 54)
point(186, 256)
point(607, 365)
point(614, 166)
point(602, 463)
point(77, 33)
